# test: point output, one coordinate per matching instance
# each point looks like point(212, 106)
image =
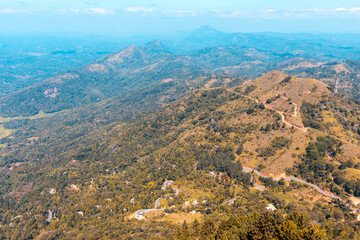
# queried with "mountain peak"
point(207, 29)
point(275, 74)
point(206, 33)
point(154, 47)
point(131, 52)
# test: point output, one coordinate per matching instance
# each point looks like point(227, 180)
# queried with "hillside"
point(325, 136)
point(94, 167)
point(113, 75)
point(343, 76)
point(135, 68)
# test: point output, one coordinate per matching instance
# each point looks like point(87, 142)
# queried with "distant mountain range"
point(27, 60)
point(132, 68)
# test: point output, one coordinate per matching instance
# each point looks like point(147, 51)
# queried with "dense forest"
point(94, 174)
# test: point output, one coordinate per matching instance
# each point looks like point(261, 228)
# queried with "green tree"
point(207, 229)
point(288, 231)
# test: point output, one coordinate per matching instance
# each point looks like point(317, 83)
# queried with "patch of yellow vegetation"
point(33, 139)
point(340, 68)
point(352, 173)
point(351, 152)
point(40, 115)
point(335, 127)
point(284, 158)
point(4, 132)
point(304, 64)
point(210, 83)
point(164, 203)
point(191, 193)
point(305, 195)
point(179, 218)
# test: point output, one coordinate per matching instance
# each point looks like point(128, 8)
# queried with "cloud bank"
point(100, 11)
point(339, 12)
point(138, 9)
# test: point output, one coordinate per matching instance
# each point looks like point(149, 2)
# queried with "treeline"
point(260, 225)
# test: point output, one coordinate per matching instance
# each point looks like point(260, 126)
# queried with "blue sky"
point(127, 17)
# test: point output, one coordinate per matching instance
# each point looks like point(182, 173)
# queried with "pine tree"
point(196, 227)
point(184, 231)
point(207, 229)
point(178, 233)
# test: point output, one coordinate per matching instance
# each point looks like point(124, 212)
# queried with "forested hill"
point(95, 167)
point(113, 75)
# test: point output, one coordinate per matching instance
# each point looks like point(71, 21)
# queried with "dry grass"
point(352, 173)
point(4, 132)
point(284, 158)
point(179, 218)
point(335, 127)
point(40, 115)
point(351, 152)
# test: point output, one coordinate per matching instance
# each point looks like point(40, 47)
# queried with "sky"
point(131, 17)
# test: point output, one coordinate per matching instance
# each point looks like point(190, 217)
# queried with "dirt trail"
point(283, 119)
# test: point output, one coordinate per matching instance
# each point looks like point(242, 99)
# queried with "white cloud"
point(138, 9)
point(182, 13)
point(101, 11)
point(10, 11)
point(270, 10)
point(317, 10)
point(7, 10)
point(355, 9)
point(340, 9)
point(60, 11)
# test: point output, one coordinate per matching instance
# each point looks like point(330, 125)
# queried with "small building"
point(271, 207)
point(212, 174)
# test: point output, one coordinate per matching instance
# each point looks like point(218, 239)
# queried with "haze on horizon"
point(129, 17)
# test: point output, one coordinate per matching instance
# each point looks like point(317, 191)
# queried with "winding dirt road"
point(317, 188)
